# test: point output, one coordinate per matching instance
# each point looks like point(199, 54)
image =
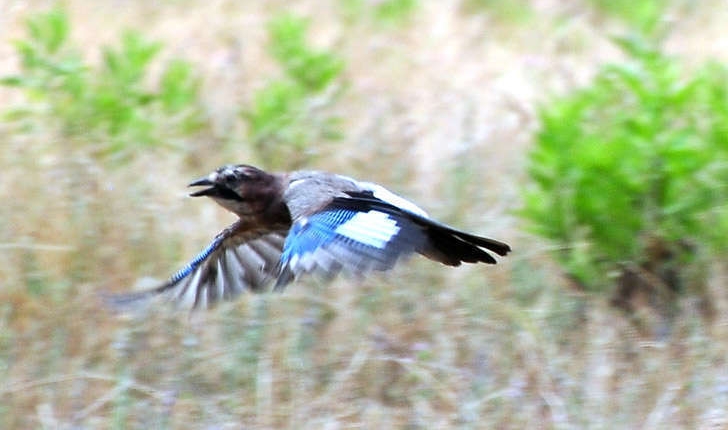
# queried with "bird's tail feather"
point(452, 247)
point(496, 246)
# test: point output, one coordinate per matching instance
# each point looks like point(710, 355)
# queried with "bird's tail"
point(453, 247)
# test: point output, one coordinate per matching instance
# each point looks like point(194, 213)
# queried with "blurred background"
point(591, 135)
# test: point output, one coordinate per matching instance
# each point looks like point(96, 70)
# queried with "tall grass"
point(509, 346)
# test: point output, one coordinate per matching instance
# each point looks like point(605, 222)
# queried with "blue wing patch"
point(311, 233)
point(357, 235)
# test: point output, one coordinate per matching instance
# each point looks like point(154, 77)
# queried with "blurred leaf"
point(178, 86)
point(643, 15)
point(49, 31)
point(395, 10)
point(312, 69)
point(13, 81)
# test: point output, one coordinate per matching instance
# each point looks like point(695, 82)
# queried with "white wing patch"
point(384, 194)
point(371, 228)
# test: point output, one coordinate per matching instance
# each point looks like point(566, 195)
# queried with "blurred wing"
point(235, 261)
point(444, 244)
point(356, 235)
point(362, 232)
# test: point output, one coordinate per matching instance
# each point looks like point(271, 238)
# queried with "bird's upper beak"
point(203, 182)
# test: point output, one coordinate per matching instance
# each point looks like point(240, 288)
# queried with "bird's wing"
point(445, 244)
point(350, 234)
point(235, 261)
point(360, 233)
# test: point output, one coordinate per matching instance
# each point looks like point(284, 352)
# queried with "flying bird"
point(292, 224)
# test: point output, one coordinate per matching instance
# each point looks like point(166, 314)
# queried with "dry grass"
point(440, 108)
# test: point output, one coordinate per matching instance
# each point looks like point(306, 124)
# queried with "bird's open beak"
point(215, 190)
point(203, 182)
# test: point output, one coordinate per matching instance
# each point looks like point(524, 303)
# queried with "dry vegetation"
point(440, 107)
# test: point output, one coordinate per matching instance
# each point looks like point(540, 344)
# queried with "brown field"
point(441, 108)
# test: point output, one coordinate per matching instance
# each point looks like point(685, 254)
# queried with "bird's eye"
point(232, 177)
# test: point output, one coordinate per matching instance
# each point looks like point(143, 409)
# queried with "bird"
point(306, 222)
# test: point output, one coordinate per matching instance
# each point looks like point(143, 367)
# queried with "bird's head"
point(242, 189)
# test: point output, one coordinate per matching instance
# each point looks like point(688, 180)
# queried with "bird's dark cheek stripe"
point(231, 195)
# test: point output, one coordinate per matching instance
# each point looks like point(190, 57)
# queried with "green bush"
point(642, 15)
point(634, 162)
point(291, 114)
point(111, 105)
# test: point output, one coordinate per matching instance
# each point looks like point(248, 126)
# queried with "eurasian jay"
point(302, 222)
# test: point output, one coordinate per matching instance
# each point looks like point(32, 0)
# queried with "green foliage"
point(291, 113)
point(394, 10)
point(389, 12)
point(643, 15)
point(639, 156)
point(110, 104)
point(311, 69)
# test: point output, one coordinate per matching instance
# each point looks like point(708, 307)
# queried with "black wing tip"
point(489, 259)
point(499, 248)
